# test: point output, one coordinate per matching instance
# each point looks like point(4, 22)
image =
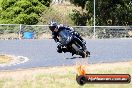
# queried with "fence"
point(15, 31)
point(59, 1)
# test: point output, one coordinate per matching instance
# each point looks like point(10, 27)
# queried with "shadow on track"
point(73, 57)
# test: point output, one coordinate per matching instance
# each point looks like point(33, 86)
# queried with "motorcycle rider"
point(55, 28)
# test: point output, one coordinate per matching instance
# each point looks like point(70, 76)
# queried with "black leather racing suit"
point(55, 36)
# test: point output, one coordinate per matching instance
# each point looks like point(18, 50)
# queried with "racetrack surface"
point(43, 52)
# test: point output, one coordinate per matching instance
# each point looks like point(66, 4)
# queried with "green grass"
point(61, 77)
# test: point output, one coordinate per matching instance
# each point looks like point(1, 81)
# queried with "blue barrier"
point(28, 35)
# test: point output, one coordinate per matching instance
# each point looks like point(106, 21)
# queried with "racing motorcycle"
point(72, 43)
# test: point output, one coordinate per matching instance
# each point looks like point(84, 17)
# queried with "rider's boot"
point(59, 49)
point(64, 50)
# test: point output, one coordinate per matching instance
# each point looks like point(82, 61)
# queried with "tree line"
point(22, 11)
point(108, 12)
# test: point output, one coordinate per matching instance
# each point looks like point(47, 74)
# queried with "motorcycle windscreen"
point(65, 37)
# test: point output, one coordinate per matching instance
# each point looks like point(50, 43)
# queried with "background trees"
point(108, 12)
point(22, 11)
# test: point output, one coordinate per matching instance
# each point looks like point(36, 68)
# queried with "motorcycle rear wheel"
point(83, 54)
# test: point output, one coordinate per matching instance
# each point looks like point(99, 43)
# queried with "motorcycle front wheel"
point(79, 51)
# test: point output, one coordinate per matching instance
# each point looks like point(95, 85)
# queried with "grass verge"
point(62, 77)
point(5, 59)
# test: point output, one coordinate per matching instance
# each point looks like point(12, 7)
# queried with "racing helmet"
point(52, 25)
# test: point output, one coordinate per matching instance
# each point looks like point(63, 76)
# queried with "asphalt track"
point(43, 52)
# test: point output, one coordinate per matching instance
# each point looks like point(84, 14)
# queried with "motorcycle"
point(72, 43)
